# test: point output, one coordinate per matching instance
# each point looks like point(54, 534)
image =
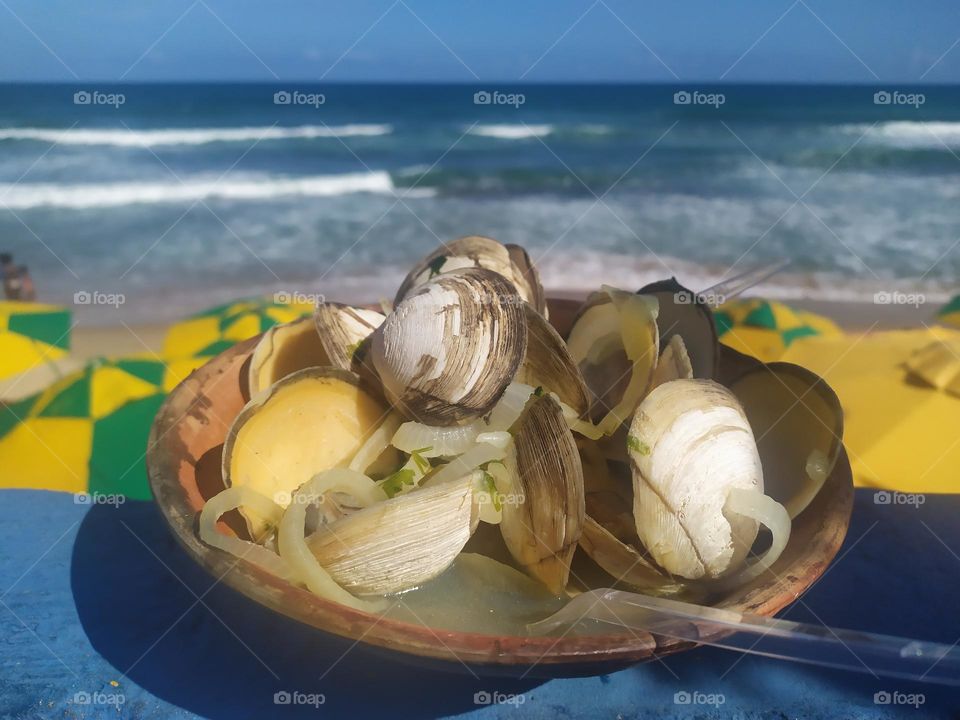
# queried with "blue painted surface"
point(92, 595)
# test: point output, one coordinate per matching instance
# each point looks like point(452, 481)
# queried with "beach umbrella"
point(901, 418)
point(212, 331)
point(31, 335)
point(949, 314)
point(765, 329)
point(87, 432)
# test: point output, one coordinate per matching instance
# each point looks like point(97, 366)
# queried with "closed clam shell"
point(448, 351)
point(399, 543)
point(689, 444)
point(510, 261)
point(543, 515)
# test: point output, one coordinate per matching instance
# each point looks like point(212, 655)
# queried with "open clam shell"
point(283, 350)
point(310, 421)
point(684, 313)
point(450, 348)
point(548, 364)
point(543, 515)
point(400, 543)
point(343, 329)
point(476, 251)
point(798, 422)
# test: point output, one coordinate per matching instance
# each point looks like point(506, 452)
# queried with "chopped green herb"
point(353, 347)
point(633, 442)
point(491, 488)
point(393, 484)
point(422, 463)
point(436, 264)
point(539, 391)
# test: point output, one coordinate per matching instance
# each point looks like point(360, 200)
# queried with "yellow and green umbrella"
point(765, 329)
point(87, 432)
point(949, 314)
point(211, 332)
point(30, 335)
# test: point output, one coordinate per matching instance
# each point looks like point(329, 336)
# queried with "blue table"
point(101, 594)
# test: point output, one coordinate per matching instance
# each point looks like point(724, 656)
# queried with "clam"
point(283, 350)
point(684, 313)
point(615, 343)
point(331, 337)
point(310, 421)
point(549, 365)
point(543, 507)
point(799, 424)
point(344, 331)
point(399, 543)
point(450, 348)
point(690, 448)
point(475, 251)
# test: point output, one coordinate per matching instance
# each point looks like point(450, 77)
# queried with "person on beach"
point(10, 276)
point(28, 291)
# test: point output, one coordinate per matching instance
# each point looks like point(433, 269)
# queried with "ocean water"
point(183, 196)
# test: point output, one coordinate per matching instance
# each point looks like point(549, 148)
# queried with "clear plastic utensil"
point(879, 655)
point(733, 286)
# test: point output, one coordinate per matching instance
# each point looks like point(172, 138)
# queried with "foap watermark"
point(95, 97)
point(897, 297)
point(695, 97)
point(888, 497)
point(895, 697)
point(895, 97)
point(495, 97)
point(98, 498)
point(686, 297)
point(284, 297)
point(500, 499)
point(685, 697)
point(485, 697)
point(99, 698)
point(297, 97)
point(96, 297)
point(296, 697)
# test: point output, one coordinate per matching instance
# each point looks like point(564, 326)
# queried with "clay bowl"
point(184, 460)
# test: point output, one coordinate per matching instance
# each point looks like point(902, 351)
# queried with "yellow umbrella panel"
point(902, 433)
point(30, 335)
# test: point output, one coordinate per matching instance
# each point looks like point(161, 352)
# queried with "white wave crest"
point(123, 137)
point(511, 132)
point(102, 195)
point(913, 134)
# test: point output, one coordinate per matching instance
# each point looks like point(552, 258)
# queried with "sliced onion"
point(378, 441)
point(577, 424)
point(751, 503)
point(509, 407)
point(463, 464)
point(638, 314)
point(231, 499)
point(499, 438)
point(293, 545)
point(432, 441)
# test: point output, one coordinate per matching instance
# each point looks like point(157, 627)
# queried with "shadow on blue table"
point(222, 656)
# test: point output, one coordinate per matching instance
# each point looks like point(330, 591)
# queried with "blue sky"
point(465, 40)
